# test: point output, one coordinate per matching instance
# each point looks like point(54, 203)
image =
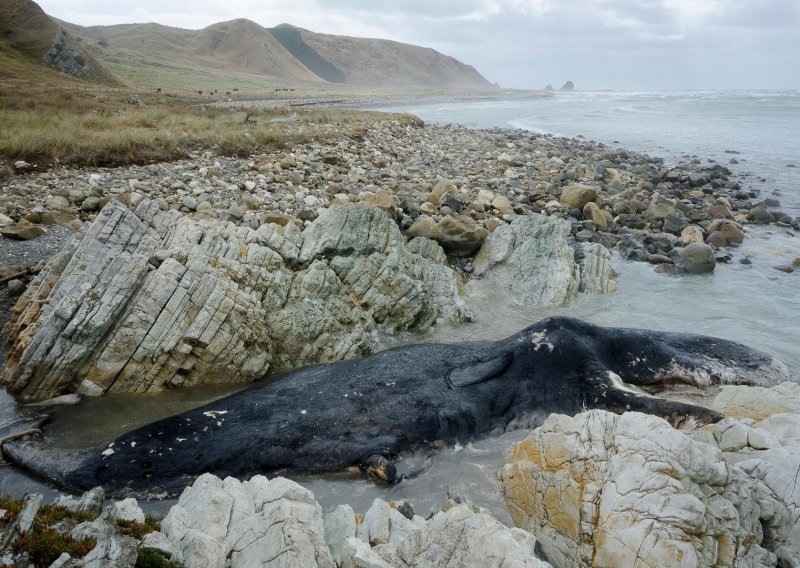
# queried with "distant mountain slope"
point(29, 33)
point(290, 38)
point(237, 46)
point(384, 62)
point(241, 52)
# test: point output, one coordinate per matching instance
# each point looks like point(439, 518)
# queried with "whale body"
point(405, 401)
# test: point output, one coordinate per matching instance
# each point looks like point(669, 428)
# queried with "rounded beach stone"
point(698, 258)
point(577, 196)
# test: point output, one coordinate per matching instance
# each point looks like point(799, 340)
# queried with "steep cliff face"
point(25, 28)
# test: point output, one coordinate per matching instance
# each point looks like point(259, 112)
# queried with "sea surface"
point(751, 303)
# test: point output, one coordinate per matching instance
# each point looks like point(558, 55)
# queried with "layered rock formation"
point(600, 489)
point(145, 299)
point(456, 536)
point(531, 260)
point(247, 523)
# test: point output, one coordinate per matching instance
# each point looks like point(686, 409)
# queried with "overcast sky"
point(598, 44)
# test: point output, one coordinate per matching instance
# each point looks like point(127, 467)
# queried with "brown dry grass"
point(79, 128)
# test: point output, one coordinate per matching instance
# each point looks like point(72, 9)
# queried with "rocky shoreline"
point(417, 212)
point(490, 176)
point(206, 270)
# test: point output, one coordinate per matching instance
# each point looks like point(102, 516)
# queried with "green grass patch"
point(151, 559)
point(44, 545)
point(49, 515)
point(12, 508)
point(138, 530)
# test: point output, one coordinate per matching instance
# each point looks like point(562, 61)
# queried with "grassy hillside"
point(241, 54)
point(29, 39)
point(231, 55)
point(377, 61)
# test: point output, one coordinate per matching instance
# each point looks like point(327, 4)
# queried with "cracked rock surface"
point(256, 523)
point(532, 260)
point(145, 299)
point(277, 522)
point(601, 489)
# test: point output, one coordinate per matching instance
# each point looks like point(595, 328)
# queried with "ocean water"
point(751, 303)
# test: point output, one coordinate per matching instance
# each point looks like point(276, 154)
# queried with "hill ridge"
point(241, 53)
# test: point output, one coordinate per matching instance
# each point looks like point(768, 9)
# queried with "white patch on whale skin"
point(618, 383)
point(180, 439)
point(304, 412)
point(108, 452)
point(538, 339)
point(213, 413)
point(133, 444)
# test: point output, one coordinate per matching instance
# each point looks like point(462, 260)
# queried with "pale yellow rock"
point(577, 195)
point(593, 212)
point(444, 186)
point(384, 200)
point(422, 227)
point(757, 403)
point(502, 204)
point(428, 208)
point(600, 489)
point(692, 234)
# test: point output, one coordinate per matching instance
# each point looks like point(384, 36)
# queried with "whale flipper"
point(481, 371)
point(618, 396)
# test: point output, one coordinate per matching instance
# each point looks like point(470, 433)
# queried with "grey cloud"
point(529, 43)
point(764, 14)
point(448, 9)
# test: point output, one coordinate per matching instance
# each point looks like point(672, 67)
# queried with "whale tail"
point(62, 467)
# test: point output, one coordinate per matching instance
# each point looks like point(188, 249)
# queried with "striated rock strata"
point(145, 299)
point(532, 260)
